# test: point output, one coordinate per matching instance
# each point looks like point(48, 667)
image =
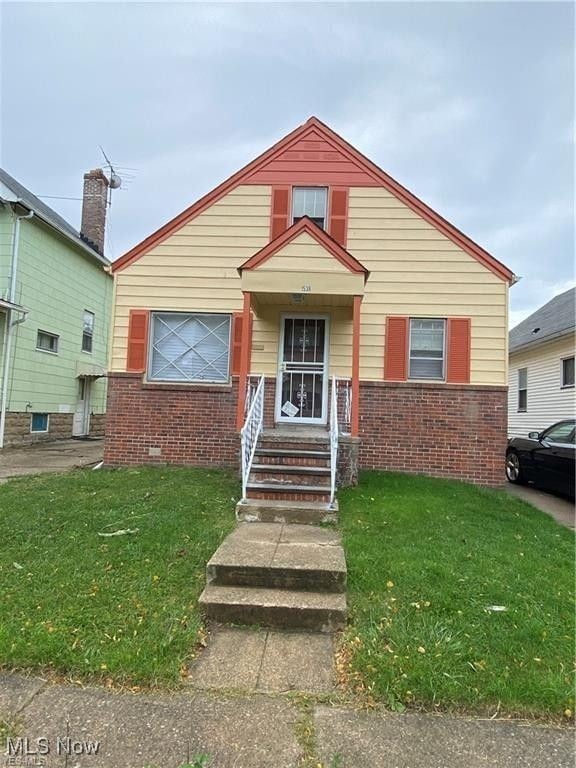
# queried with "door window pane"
point(426, 348)
point(190, 347)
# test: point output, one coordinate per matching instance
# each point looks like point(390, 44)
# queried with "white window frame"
point(428, 378)
point(40, 431)
point(186, 381)
point(522, 389)
point(93, 315)
point(563, 385)
point(311, 186)
point(52, 336)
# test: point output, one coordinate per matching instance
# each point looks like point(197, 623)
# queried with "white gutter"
point(10, 323)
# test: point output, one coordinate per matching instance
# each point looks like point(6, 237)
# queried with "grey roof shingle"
point(554, 319)
point(46, 213)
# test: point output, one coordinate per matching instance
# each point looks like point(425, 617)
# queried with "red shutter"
point(137, 341)
point(280, 208)
point(396, 349)
point(458, 350)
point(338, 214)
point(237, 323)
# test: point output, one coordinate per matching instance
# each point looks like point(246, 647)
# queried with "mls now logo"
point(25, 747)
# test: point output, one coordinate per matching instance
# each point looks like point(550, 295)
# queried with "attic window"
point(311, 202)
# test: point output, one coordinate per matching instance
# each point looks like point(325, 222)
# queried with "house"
point(312, 295)
point(55, 303)
point(541, 366)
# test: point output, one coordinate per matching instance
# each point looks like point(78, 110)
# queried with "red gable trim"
point(322, 238)
point(375, 176)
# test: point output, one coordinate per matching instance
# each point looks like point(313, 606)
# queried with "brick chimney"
point(94, 202)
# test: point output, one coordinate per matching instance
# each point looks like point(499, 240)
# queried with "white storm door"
point(81, 419)
point(302, 383)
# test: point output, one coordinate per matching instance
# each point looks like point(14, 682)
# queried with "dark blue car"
point(544, 458)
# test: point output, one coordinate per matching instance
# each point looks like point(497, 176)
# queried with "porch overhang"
point(287, 287)
point(87, 370)
point(304, 261)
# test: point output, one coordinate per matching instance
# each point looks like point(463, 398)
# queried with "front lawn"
point(459, 598)
point(431, 564)
point(122, 607)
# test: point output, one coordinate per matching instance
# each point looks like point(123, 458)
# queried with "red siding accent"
point(458, 346)
point(396, 349)
point(338, 211)
point(137, 341)
point(237, 321)
point(280, 209)
point(312, 159)
point(355, 420)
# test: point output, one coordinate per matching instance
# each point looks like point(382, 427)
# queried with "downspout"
point(10, 323)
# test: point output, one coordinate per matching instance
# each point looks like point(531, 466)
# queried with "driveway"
point(557, 507)
point(57, 456)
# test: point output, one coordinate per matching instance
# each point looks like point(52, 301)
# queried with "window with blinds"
point(427, 348)
point(190, 347)
point(311, 202)
point(522, 390)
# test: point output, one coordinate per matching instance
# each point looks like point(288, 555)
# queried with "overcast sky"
point(469, 105)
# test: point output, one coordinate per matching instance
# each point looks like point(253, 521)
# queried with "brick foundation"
point(456, 431)
point(170, 424)
point(443, 430)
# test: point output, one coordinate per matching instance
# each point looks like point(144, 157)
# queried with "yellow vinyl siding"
point(195, 269)
point(301, 255)
point(417, 271)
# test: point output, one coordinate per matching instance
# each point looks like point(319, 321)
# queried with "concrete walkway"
point(55, 456)
point(266, 661)
point(561, 509)
point(167, 731)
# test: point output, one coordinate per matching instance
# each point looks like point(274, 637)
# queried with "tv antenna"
point(115, 180)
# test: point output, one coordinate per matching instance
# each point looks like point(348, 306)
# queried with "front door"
point(81, 421)
point(302, 384)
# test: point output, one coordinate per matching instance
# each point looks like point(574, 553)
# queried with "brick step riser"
point(272, 515)
point(275, 475)
point(314, 619)
point(293, 445)
point(276, 578)
point(299, 461)
point(287, 495)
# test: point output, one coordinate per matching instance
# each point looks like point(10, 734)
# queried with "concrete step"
point(292, 492)
point(292, 557)
point(275, 511)
point(289, 609)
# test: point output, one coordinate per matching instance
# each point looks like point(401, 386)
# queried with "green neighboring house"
point(55, 301)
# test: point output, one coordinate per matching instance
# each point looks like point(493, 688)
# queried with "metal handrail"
point(250, 433)
point(333, 439)
point(344, 404)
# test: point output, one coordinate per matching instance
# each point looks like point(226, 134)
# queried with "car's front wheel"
point(513, 469)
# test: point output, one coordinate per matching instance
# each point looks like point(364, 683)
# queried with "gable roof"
point(319, 235)
point(11, 191)
point(554, 319)
point(357, 168)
